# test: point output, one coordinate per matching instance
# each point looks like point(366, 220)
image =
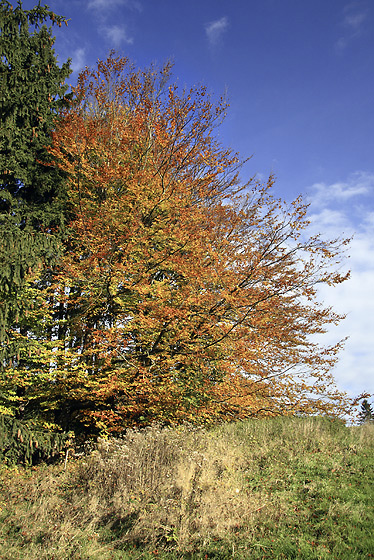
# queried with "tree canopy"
point(181, 293)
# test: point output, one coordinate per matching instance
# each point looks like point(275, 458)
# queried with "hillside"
point(261, 489)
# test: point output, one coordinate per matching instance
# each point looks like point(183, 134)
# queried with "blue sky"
point(300, 81)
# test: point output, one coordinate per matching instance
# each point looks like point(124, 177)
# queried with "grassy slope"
point(280, 488)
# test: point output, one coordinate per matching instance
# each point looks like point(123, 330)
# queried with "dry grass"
point(164, 486)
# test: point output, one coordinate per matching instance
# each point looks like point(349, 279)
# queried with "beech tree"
point(182, 294)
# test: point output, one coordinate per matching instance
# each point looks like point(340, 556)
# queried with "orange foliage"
point(186, 295)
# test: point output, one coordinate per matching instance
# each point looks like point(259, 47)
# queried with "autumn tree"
point(182, 293)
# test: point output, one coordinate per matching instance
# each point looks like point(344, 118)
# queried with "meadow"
point(290, 488)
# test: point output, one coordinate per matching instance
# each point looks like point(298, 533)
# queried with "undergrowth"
point(262, 489)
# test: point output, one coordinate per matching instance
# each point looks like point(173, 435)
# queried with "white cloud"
point(78, 59)
point(359, 183)
point(353, 20)
point(106, 5)
point(215, 30)
point(117, 35)
point(329, 220)
point(340, 209)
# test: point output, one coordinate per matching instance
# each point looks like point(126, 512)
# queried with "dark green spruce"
point(366, 413)
point(32, 198)
point(32, 90)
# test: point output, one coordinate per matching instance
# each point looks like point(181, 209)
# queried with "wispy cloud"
point(78, 59)
point(110, 19)
point(345, 209)
point(355, 21)
point(352, 22)
point(215, 30)
point(357, 184)
point(117, 35)
point(109, 4)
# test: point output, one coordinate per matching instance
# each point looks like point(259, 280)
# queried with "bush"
point(28, 444)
